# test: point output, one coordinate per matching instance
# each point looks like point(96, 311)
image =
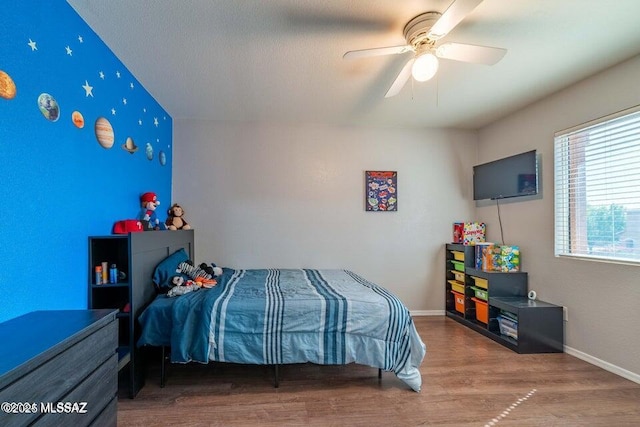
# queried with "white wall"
point(293, 196)
point(602, 298)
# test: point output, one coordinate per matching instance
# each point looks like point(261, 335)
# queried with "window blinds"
point(597, 188)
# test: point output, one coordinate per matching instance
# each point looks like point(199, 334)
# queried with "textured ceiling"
point(280, 61)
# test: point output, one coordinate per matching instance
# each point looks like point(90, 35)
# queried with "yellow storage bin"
point(459, 275)
point(458, 256)
point(480, 282)
point(457, 286)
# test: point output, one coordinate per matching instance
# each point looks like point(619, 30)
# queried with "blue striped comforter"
point(277, 316)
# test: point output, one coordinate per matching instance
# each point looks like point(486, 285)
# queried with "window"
point(597, 189)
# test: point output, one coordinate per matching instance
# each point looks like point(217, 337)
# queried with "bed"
point(286, 316)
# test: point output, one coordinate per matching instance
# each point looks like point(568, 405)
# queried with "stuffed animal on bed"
point(204, 282)
point(181, 286)
point(190, 278)
point(212, 269)
point(175, 219)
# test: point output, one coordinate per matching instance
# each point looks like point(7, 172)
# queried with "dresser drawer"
point(109, 415)
point(54, 379)
point(96, 390)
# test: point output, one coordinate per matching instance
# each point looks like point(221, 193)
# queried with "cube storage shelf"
point(114, 249)
point(129, 252)
point(540, 324)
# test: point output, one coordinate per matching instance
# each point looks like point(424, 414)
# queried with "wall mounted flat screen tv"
point(512, 176)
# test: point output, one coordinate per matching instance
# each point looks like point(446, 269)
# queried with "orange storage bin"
point(482, 310)
point(459, 298)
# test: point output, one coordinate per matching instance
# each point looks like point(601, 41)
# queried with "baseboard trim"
point(631, 376)
point(427, 312)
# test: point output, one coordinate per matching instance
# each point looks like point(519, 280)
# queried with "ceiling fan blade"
point(400, 81)
point(378, 51)
point(470, 53)
point(452, 17)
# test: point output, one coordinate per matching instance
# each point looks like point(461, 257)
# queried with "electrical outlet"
point(565, 313)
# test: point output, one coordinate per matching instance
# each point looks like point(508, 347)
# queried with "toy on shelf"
point(469, 233)
point(149, 202)
point(175, 219)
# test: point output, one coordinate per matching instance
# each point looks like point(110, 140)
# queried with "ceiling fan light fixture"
point(425, 67)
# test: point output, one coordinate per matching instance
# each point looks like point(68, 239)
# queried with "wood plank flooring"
point(468, 380)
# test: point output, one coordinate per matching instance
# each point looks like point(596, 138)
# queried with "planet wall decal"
point(162, 158)
point(7, 86)
point(77, 119)
point(149, 151)
point(48, 107)
point(130, 146)
point(104, 133)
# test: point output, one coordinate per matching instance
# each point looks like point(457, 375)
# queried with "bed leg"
point(379, 373)
point(276, 382)
point(162, 368)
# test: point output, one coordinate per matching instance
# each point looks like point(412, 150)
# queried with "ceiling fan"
point(422, 34)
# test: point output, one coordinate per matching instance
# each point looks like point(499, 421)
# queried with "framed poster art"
point(381, 191)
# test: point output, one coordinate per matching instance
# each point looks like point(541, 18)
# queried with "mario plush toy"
point(149, 202)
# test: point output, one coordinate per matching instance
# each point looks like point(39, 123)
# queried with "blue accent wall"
point(61, 182)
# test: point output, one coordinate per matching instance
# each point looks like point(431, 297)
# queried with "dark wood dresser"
point(59, 368)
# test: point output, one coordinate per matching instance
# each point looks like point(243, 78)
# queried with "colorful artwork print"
point(381, 191)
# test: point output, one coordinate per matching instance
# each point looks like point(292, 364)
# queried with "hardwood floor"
point(468, 380)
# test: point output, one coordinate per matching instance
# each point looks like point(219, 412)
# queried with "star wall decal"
point(155, 121)
point(80, 39)
point(69, 51)
point(101, 74)
point(124, 101)
point(118, 74)
point(140, 122)
point(131, 85)
point(32, 45)
point(113, 111)
point(88, 89)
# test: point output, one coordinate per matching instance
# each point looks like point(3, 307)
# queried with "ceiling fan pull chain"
point(412, 89)
point(437, 91)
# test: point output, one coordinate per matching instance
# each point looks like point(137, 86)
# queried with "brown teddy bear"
point(175, 220)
